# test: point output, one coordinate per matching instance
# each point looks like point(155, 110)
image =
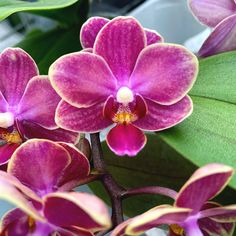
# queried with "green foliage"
point(8, 7)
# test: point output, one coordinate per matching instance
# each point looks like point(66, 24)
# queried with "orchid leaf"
point(8, 7)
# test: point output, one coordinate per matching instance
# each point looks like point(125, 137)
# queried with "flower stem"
point(150, 190)
point(113, 189)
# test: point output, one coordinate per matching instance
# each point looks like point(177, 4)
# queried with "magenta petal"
point(32, 130)
point(90, 30)
point(126, 140)
point(82, 79)
point(3, 103)
point(203, 185)
point(78, 168)
point(164, 73)
point(6, 152)
point(16, 69)
point(81, 119)
point(211, 12)
point(44, 163)
point(76, 209)
point(222, 39)
point(15, 223)
point(153, 37)
point(39, 103)
point(161, 117)
point(119, 42)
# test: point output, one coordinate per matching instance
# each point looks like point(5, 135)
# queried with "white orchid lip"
point(6, 119)
point(124, 95)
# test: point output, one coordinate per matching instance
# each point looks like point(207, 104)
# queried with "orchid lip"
point(6, 120)
point(124, 95)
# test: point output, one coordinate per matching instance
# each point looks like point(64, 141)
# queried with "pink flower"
point(38, 174)
point(123, 81)
point(27, 103)
point(193, 214)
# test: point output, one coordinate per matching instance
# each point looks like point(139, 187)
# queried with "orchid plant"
point(152, 100)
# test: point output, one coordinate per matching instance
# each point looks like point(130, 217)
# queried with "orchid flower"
point(123, 81)
point(27, 104)
point(221, 15)
point(38, 174)
point(192, 213)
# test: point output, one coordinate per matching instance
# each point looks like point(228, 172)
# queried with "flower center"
point(13, 137)
point(178, 230)
point(6, 120)
point(31, 223)
point(124, 115)
point(124, 95)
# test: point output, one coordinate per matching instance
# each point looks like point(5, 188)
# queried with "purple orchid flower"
point(192, 214)
point(27, 104)
point(38, 174)
point(221, 15)
point(123, 81)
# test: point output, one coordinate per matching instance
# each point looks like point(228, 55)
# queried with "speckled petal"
point(16, 69)
point(76, 209)
point(222, 39)
point(6, 152)
point(153, 37)
point(212, 12)
point(160, 117)
point(90, 30)
point(39, 103)
point(32, 130)
point(204, 184)
point(81, 119)
point(119, 42)
point(164, 73)
point(44, 162)
point(82, 79)
point(160, 215)
point(126, 140)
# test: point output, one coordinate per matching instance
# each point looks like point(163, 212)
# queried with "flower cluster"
point(125, 79)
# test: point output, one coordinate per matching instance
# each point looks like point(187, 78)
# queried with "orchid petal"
point(16, 69)
point(121, 228)
point(32, 130)
point(213, 176)
point(212, 227)
point(77, 209)
point(44, 162)
point(11, 194)
point(126, 140)
point(153, 37)
point(15, 223)
point(212, 12)
point(222, 39)
point(39, 103)
point(82, 79)
point(119, 42)
point(161, 117)
point(6, 152)
point(81, 119)
point(164, 73)
point(3, 103)
point(160, 215)
point(78, 168)
point(90, 30)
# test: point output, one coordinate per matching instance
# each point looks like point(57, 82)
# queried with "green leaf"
point(8, 7)
point(156, 165)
